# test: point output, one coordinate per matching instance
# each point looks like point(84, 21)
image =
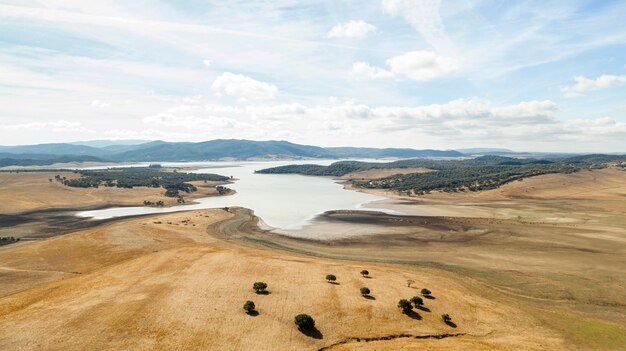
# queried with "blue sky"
point(526, 75)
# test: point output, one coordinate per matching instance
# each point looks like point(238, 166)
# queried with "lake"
point(282, 201)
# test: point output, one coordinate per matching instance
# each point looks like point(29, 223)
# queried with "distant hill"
point(43, 160)
point(55, 149)
point(212, 150)
point(485, 151)
point(391, 152)
point(109, 143)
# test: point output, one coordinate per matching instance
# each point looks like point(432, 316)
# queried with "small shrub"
point(417, 301)
point(426, 292)
point(259, 287)
point(331, 278)
point(405, 305)
point(304, 321)
point(249, 306)
point(365, 291)
point(365, 273)
point(446, 318)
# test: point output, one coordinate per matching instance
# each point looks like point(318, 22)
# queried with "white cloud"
point(422, 65)
point(351, 29)
point(416, 65)
point(240, 86)
point(207, 63)
point(463, 119)
point(100, 104)
point(55, 126)
point(584, 85)
point(364, 70)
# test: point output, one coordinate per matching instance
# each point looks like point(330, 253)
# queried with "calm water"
point(282, 201)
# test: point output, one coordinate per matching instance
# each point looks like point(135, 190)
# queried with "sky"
point(524, 75)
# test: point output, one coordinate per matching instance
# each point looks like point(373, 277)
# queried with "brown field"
point(380, 173)
point(143, 285)
point(28, 191)
point(535, 265)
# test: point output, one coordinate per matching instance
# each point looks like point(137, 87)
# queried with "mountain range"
point(213, 150)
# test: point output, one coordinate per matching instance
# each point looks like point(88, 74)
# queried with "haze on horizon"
point(528, 76)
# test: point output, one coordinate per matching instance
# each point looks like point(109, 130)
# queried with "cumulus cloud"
point(351, 29)
point(584, 84)
point(365, 70)
point(422, 65)
point(243, 87)
point(100, 104)
point(416, 65)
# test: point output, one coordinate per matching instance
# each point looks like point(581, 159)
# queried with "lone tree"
point(331, 278)
point(409, 282)
point(405, 305)
point(365, 273)
point(259, 287)
point(249, 306)
point(417, 301)
point(365, 291)
point(304, 321)
point(446, 318)
point(426, 292)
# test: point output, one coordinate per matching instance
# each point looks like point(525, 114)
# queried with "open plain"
point(533, 265)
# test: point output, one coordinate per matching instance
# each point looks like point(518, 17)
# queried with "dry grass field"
point(28, 191)
point(165, 283)
point(534, 265)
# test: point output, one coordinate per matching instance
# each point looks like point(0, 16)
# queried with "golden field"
point(534, 265)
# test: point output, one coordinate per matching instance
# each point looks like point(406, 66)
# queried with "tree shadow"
point(312, 333)
point(334, 283)
point(423, 308)
point(253, 313)
point(451, 324)
point(264, 292)
point(369, 297)
point(414, 315)
point(430, 297)
point(366, 276)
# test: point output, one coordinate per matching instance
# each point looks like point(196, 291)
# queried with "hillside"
point(481, 173)
point(212, 150)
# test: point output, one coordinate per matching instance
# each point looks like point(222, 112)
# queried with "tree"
point(259, 287)
point(446, 318)
point(405, 305)
point(426, 292)
point(249, 306)
point(417, 301)
point(365, 291)
point(331, 278)
point(304, 321)
point(409, 282)
point(365, 273)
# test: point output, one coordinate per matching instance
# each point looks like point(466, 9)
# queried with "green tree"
point(304, 321)
point(365, 273)
point(405, 305)
point(259, 287)
point(446, 318)
point(365, 291)
point(426, 292)
point(417, 301)
point(331, 278)
point(249, 306)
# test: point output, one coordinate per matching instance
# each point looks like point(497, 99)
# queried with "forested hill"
point(208, 151)
point(481, 173)
point(341, 168)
